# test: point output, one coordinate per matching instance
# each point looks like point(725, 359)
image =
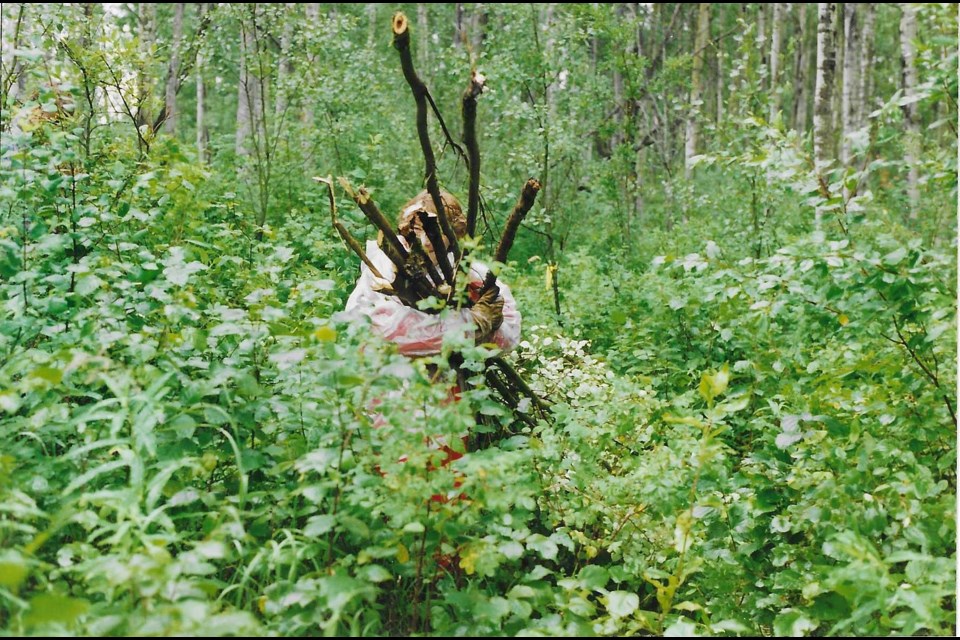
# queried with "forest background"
point(738, 286)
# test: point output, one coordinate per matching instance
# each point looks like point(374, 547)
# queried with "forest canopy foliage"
point(738, 285)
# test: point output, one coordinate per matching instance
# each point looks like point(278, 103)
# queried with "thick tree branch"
point(469, 108)
point(344, 234)
point(401, 42)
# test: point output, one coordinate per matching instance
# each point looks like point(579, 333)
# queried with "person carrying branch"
point(493, 318)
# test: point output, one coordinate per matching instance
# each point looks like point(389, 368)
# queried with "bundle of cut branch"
point(417, 276)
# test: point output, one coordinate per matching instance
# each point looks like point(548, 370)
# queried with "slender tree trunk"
point(775, 46)
point(459, 33)
point(836, 121)
point(800, 72)
point(308, 115)
point(201, 96)
point(620, 113)
point(173, 71)
point(865, 90)
point(696, 90)
point(285, 68)
point(851, 81)
point(762, 33)
point(10, 36)
point(823, 98)
point(637, 122)
point(248, 89)
point(720, 81)
point(146, 21)
point(823, 91)
point(479, 26)
point(912, 143)
point(423, 38)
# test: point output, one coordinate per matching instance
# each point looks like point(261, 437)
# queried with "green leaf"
point(51, 375)
point(714, 384)
point(13, 571)
point(594, 577)
point(374, 573)
point(53, 608)
point(621, 604)
point(794, 624)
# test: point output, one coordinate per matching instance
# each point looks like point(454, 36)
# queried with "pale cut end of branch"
point(401, 26)
point(478, 83)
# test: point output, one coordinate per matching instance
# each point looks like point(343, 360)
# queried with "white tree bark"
point(696, 90)
point(720, 81)
point(423, 36)
point(248, 88)
point(307, 115)
point(851, 80)
point(146, 26)
point(800, 75)
point(776, 38)
point(912, 143)
point(459, 35)
point(173, 73)
point(864, 91)
point(835, 110)
point(11, 27)
point(201, 96)
point(285, 67)
point(823, 90)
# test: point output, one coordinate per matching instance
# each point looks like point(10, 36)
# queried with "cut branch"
point(432, 228)
point(520, 211)
point(401, 42)
point(417, 251)
point(374, 215)
point(344, 234)
point(412, 269)
point(510, 375)
point(470, 96)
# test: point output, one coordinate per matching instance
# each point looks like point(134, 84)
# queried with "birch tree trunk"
point(720, 81)
point(836, 122)
point(864, 91)
point(800, 95)
point(423, 38)
point(10, 31)
point(762, 30)
point(775, 45)
point(851, 80)
point(307, 116)
point(823, 90)
point(908, 52)
point(201, 96)
point(173, 73)
point(285, 68)
point(478, 26)
point(696, 90)
point(248, 88)
point(146, 27)
point(823, 98)
point(639, 127)
point(459, 35)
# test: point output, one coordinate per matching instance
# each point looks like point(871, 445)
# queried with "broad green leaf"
point(55, 609)
point(621, 604)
